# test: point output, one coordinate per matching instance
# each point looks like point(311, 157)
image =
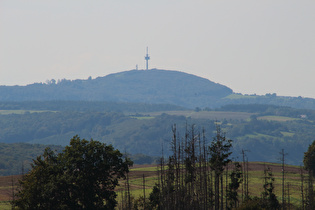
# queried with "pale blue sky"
point(250, 46)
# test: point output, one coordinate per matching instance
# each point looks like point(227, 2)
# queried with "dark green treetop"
point(83, 176)
point(219, 151)
point(309, 159)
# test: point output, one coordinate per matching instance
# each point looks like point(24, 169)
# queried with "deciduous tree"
point(83, 176)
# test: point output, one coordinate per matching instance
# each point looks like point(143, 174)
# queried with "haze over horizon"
point(250, 46)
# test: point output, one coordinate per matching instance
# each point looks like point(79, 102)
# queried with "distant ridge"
point(137, 86)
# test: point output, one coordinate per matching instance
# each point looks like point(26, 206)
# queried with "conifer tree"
point(269, 197)
point(219, 152)
point(236, 179)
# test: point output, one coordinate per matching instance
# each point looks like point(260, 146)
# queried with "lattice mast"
point(147, 58)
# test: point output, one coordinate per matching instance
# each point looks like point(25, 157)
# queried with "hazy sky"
point(252, 46)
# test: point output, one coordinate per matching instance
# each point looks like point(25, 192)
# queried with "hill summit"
point(144, 86)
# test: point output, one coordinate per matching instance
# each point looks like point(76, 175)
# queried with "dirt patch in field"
point(277, 168)
point(8, 186)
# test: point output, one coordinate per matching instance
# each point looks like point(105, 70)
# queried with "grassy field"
point(4, 112)
point(256, 179)
point(212, 115)
point(277, 118)
point(239, 96)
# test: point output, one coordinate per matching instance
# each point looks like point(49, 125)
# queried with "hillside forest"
point(263, 130)
point(150, 87)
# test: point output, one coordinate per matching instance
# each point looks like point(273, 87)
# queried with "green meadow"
point(149, 172)
point(256, 181)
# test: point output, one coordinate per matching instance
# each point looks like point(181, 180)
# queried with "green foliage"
point(83, 106)
point(185, 180)
point(268, 200)
point(83, 176)
point(138, 87)
point(143, 159)
point(219, 151)
point(15, 158)
point(309, 159)
point(236, 180)
point(265, 110)
point(254, 203)
point(268, 196)
point(155, 196)
point(130, 86)
point(147, 136)
point(269, 99)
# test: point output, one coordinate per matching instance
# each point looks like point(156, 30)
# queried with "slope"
point(152, 86)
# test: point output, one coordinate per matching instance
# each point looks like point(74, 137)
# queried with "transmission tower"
point(147, 58)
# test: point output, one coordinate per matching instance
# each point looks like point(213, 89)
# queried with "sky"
point(253, 47)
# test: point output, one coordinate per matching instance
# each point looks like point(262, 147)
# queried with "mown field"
point(149, 172)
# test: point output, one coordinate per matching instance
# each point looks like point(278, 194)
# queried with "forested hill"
point(150, 86)
point(146, 87)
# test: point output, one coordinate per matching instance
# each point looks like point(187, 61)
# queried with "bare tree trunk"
point(216, 189)
point(289, 196)
point(283, 179)
point(13, 191)
point(176, 165)
point(122, 199)
point(244, 176)
point(193, 158)
point(302, 187)
point(222, 193)
point(128, 191)
point(205, 158)
point(143, 192)
point(310, 191)
point(247, 180)
point(211, 189)
point(200, 194)
point(226, 183)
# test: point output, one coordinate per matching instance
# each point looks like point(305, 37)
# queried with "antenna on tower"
point(147, 58)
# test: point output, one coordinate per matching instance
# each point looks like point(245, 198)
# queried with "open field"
point(240, 96)
point(7, 184)
point(4, 112)
point(256, 180)
point(211, 115)
point(277, 118)
point(256, 174)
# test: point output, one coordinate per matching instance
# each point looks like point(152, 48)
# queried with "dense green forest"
point(263, 130)
point(16, 158)
point(152, 87)
point(270, 99)
point(146, 87)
